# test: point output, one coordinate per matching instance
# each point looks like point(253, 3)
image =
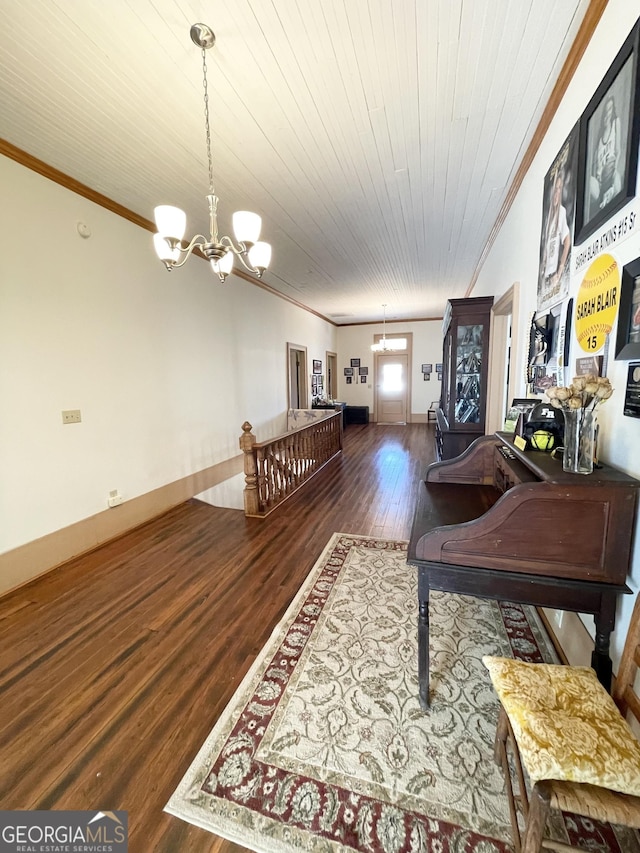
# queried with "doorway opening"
point(392, 387)
point(503, 345)
point(332, 375)
point(297, 376)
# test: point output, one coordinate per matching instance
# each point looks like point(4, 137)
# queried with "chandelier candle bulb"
point(171, 222)
point(246, 226)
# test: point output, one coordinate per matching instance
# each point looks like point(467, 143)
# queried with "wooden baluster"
point(261, 480)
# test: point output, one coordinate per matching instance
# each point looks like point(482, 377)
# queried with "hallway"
point(114, 669)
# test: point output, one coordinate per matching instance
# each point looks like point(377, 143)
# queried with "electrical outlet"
point(71, 416)
point(115, 499)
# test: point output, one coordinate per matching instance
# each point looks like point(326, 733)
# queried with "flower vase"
point(579, 440)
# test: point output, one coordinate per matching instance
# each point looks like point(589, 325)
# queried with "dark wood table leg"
point(605, 621)
point(423, 644)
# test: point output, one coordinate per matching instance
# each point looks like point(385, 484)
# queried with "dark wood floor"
point(114, 669)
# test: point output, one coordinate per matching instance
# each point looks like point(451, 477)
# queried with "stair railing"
point(275, 469)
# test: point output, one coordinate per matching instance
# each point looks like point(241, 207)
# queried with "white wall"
point(355, 342)
point(164, 367)
point(514, 257)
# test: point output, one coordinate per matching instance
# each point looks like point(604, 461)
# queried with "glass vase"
point(579, 440)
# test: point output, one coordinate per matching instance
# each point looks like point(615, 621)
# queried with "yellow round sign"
point(597, 303)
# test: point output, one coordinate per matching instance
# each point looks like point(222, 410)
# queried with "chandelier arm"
point(248, 266)
point(239, 250)
point(186, 251)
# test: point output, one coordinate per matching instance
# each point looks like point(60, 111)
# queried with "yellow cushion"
point(566, 725)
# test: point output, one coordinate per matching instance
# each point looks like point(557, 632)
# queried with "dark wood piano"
point(498, 522)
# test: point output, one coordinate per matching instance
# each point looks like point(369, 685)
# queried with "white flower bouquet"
point(578, 402)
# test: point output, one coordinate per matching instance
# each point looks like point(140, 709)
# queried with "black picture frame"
point(348, 371)
point(317, 365)
point(363, 371)
point(558, 215)
point(355, 362)
point(628, 334)
point(606, 182)
point(632, 392)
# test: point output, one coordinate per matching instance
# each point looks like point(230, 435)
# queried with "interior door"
point(391, 388)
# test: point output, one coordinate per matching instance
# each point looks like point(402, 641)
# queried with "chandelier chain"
point(206, 119)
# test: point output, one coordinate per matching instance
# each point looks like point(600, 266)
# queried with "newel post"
point(247, 440)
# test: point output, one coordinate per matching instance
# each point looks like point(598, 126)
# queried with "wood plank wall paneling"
point(20, 565)
point(115, 667)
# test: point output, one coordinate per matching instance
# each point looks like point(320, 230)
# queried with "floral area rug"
point(324, 746)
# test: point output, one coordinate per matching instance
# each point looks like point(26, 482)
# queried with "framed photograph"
point(363, 371)
point(438, 367)
point(558, 213)
point(355, 362)
point(427, 368)
point(317, 365)
point(589, 365)
point(440, 377)
point(632, 393)
point(363, 377)
point(349, 380)
point(426, 377)
point(628, 336)
point(348, 371)
point(608, 147)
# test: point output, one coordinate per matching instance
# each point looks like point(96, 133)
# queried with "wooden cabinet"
point(461, 416)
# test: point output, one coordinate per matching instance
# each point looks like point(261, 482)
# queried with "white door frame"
point(402, 354)
point(409, 352)
point(331, 384)
point(504, 318)
point(303, 393)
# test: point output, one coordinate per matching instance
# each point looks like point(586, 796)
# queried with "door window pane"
point(391, 378)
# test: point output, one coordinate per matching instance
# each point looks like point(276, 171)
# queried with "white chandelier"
point(171, 222)
point(384, 345)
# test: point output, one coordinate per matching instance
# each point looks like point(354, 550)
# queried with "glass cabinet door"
point(446, 367)
point(468, 365)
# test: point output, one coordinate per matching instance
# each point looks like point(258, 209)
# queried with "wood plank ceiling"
point(377, 138)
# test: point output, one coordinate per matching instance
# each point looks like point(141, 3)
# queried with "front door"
point(391, 388)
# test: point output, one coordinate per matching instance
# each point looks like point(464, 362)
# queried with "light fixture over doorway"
point(384, 345)
point(171, 222)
